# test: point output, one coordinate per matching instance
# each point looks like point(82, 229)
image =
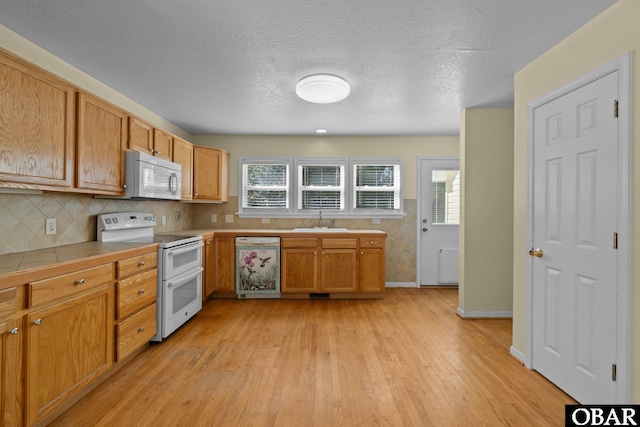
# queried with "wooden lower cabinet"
point(11, 373)
point(68, 345)
point(225, 266)
point(208, 282)
point(346, 266)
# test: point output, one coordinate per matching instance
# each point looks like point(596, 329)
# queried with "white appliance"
point(149, 177)
point(179, 266)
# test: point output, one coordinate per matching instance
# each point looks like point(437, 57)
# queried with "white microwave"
point(149, 177)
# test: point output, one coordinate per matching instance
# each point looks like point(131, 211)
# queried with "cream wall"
point(34, 54)
point(610, 35)
point(406, 147)
point(486, 239)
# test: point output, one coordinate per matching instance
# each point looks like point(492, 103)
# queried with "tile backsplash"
point(22, 223)
point(22, 218)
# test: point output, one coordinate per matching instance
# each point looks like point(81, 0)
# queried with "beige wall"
point(30, 52)
point(608, 36)
point(486, 239)
point(406, 147)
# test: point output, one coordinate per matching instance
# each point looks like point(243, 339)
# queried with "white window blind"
point(321, 186)
point(265, 186)
point(376, 186)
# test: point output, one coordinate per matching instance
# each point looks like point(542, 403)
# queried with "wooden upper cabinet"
point(210, 174)
point(162, 144)
point(140, 136)
point(102, 140)
point(147, 139)
point(36, 127)
point(183, 154)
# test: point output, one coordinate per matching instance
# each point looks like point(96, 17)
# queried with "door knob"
point(536, 252)
point(424, 228)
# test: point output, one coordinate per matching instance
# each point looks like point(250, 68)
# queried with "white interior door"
point(574, 281)
point(439, 220)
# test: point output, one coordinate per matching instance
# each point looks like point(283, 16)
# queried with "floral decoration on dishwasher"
point(258, 270)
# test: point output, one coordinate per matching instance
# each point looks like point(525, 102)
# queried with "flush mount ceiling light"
point(323, 88)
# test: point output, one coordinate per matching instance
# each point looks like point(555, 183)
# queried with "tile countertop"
point(226, 232)
point(24, 267)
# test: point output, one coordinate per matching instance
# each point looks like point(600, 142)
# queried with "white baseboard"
point(517, 354)
point(484, 314)
point(400, 285)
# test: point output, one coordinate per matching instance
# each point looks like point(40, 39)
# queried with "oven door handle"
point(183, 249)
point(185, 279)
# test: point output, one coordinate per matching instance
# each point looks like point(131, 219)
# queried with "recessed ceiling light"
point(323, 88)
point(321, 131)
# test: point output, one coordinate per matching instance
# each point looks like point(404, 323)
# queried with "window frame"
point(321, 161)
point(349, 211)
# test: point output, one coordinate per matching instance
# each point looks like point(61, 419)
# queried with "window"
point(445, 198)
point(376, 185)
point(321, 184)
point(357, 187)
point(265, 185)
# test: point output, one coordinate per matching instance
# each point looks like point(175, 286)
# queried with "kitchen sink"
point(321, 230)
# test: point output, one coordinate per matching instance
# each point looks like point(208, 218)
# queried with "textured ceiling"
point(231, 66)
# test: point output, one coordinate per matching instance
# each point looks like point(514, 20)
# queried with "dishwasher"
point(258, 267)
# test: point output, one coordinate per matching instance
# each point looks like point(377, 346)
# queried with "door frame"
point(419, 160)
point(623, 268)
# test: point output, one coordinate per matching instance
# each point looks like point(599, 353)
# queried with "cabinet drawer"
point(66, 285)
point(299, 242)
point(7, 302)
point(339, 243)
point(130, 266)
point(136, 292)
point(135, 331)
point(372, 242)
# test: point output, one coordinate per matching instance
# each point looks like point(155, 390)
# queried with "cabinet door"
point(339, 271)
point(210, 174)
point(162, 144)
point(209, 268)
point(11, 373)
point(183, 154)
point(299, 270)
point(225, 264)
point(68, 345)
point(140, 136)
point(37, 126)
point(102, 138)
point(372, 271)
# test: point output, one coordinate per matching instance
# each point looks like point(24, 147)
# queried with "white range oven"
point(179, 266)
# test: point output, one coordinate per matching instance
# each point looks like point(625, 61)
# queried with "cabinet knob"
point(315, 252)
point(37, 322)
point(80, 282)
point(361, 253)
point(141, 329)
point(141, 291)
point(141, 263)
point(14, 331)
point(371, 242)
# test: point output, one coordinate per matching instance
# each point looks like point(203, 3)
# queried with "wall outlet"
point(266, 220)
point(376, 220)
point(214, 218)
point(177, 216)
point(228, 218)
point(163, 220)
point(50, 226)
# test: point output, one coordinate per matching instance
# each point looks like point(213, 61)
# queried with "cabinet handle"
point(371, 242)
point(141, 263)
point(361, 253)
point(141, 329)
point(37, 322)
point(141, 291)
point(80, 282)
point(315, 252)
point(323, 253)
point(14, 331)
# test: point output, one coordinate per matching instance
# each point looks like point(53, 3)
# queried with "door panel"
point(439, 221)
point(574, 219)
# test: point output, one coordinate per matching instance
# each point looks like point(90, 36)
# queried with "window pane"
point(321, 200)
point(445, 205)
point(321, 186)
point(375, 200)
point(321, 176)
point(265, 186)
point(374, 175)
point(377, 187)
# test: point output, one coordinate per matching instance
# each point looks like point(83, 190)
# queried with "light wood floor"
point(406, 360)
